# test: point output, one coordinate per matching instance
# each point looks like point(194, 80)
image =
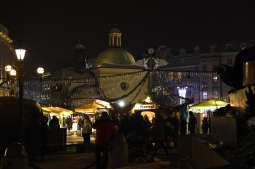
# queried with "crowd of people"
point(145, 135)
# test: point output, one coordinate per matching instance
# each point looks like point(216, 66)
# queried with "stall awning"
point(209, 104)
point(92, 108)
point(56, 110)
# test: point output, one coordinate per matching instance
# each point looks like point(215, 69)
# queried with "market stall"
point(146, 109)
point(61, 113)
point(205, 109)
point(208, 105)
point(93, 108)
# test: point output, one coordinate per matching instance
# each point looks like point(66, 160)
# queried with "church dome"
point(116, 56)
point(115, 30)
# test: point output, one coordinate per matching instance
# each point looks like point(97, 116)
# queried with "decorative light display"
point(182, 92)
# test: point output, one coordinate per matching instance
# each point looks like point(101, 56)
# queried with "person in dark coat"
point(54, 123)
point(87, 130)
point(104, 133)
point(159, 136)
point(69, 123)
point(205, 125)
point(192, 122)
point(183, 126)
point(175, 122)
point(44, 133)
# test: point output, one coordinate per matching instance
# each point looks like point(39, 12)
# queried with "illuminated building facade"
point(196, 72)
point(7, 57)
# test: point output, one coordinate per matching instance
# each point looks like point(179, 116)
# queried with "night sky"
point(50, 29)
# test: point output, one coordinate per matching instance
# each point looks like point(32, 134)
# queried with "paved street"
point(83, 160)
point(67, 161)
point(77, 139)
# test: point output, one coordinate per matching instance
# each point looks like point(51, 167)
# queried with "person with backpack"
point(87, 130)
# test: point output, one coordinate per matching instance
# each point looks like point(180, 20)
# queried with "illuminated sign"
point(139, 106)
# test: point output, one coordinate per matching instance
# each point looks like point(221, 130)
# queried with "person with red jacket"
point(104, 133)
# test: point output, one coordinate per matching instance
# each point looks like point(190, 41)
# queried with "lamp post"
point(20, 76)
point(13, 74)
point(40, 71)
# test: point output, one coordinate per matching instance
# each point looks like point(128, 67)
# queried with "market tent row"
point(61, 113)
point(209, 105)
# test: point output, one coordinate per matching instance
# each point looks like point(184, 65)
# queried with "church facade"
point(113, 76)
point(7, 57)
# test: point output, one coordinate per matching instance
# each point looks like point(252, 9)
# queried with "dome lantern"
point(115, 38)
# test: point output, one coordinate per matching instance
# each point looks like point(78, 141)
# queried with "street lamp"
point(40, 71)
point(121, 103)
point(20, 76)
point(8, 68)
point(13, 73)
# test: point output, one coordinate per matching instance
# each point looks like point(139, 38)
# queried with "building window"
point(171, 76)
point(205, 95)
point(179, 75)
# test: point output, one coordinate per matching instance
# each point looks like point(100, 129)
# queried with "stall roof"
point(209, 104)
point(56, 110)
point(88, 108)
point(92, 108)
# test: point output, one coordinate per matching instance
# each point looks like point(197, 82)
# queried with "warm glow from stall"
point(148, 99)
point(149, 114)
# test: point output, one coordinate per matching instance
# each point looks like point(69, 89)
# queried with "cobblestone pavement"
point(67, 161)
point(77, 139)
point(71, 160)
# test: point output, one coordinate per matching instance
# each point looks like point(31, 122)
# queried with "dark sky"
point(50, 29)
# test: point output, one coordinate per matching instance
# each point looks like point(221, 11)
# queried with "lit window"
point(171, 76)
point(205, 95)
point(179, 75)
point(215, 78)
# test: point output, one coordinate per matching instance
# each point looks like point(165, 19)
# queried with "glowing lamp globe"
point(13, 72)
point(40, 70)
point(121, 104)
point(8, 68)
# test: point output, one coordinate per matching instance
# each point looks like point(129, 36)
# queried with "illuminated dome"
point(115, 30)
point(116, 56)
